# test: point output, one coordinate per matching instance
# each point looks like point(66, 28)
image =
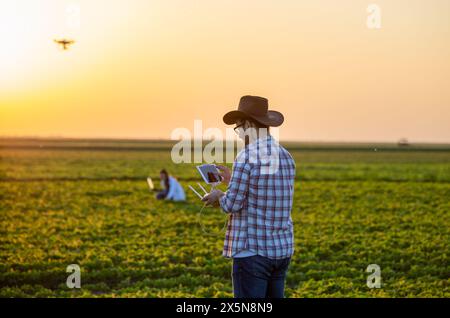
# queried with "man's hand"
point(212, 198)
point(225, 173)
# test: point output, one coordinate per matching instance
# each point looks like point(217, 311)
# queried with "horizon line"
point(109, 138)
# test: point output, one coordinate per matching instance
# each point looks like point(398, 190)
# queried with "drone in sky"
point(65, 43)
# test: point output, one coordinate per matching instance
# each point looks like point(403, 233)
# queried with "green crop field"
point(87, 203)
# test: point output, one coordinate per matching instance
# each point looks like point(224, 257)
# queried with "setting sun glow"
point(140, 69)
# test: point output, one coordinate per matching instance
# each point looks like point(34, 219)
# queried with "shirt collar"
point(265, 138)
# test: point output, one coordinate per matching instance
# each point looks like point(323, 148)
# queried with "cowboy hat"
point(254, 107)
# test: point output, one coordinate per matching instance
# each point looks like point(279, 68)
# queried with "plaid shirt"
point(259, 201)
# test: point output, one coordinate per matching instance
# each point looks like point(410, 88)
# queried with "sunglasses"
point(237, 127)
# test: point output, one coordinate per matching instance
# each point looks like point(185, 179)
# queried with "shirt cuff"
point(222, 202)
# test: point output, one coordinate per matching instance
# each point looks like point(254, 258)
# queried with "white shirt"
point(176, 192)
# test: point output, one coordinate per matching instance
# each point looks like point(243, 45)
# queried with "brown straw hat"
point(257, 108)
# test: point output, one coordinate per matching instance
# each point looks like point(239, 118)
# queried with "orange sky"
point(140, 69)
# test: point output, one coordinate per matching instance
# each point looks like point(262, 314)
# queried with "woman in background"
point(172, 189)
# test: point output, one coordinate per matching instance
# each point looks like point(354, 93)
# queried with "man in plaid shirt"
point(259, 236)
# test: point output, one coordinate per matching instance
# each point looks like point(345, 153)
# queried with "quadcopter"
point(65, 43)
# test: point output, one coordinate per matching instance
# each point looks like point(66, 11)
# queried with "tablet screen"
point(209, 173)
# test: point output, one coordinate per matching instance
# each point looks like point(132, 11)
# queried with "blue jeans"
point(259, 277)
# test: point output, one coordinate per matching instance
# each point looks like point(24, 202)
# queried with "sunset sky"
point(140, 69)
